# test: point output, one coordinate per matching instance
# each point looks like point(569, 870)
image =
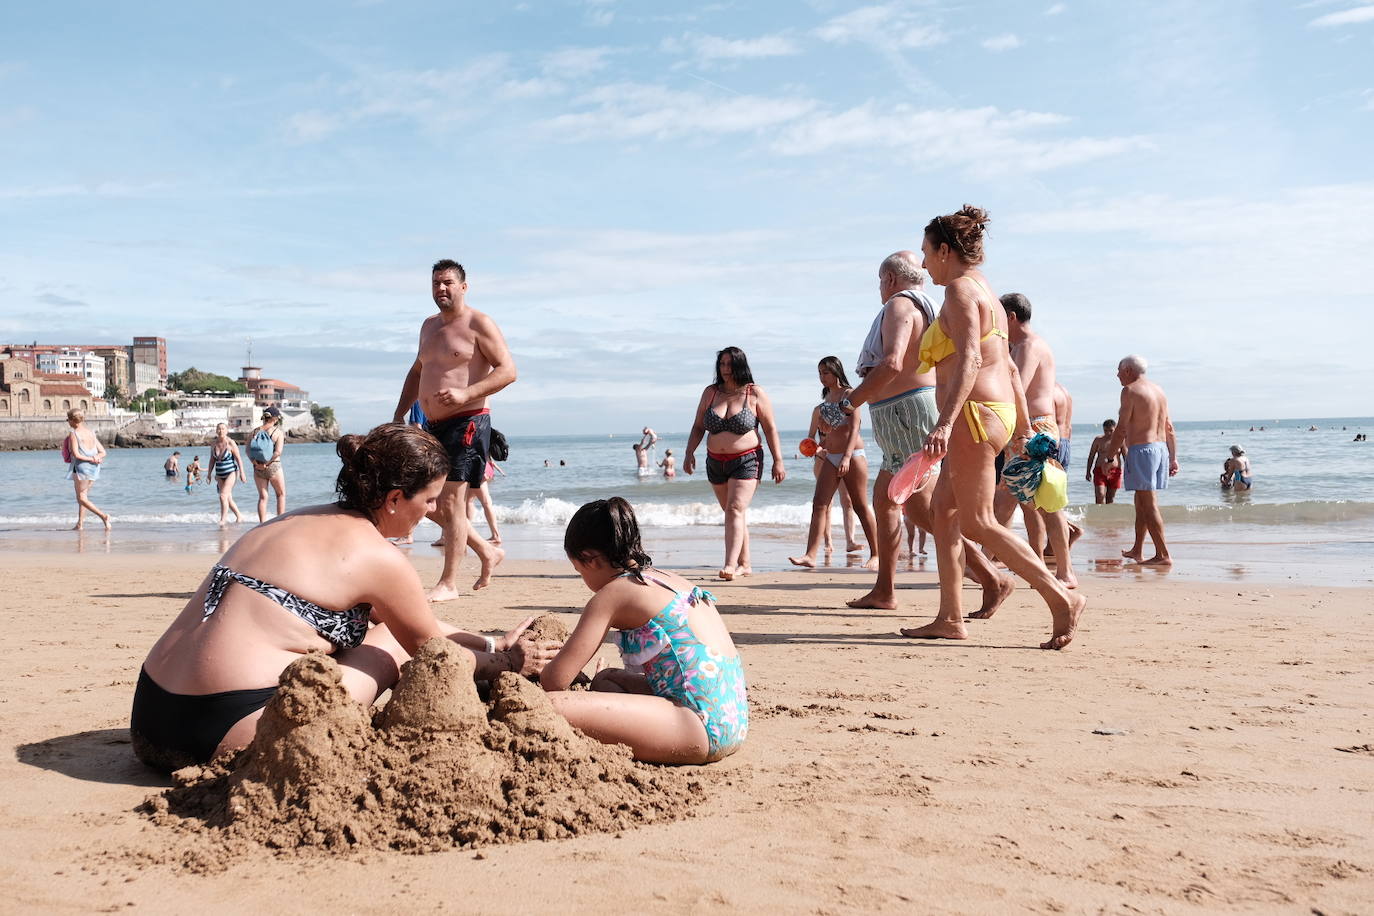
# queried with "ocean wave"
point(552, 512)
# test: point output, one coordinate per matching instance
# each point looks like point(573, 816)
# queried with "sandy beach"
point(880, 774)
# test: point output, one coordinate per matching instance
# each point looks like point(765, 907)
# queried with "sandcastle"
point(436, 768)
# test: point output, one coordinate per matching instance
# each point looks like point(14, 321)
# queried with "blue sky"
point(634, 184)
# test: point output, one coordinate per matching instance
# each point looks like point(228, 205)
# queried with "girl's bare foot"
point(744, 569)
point(443, 593)
point(726, 572)
point(872, 563)
point(804, 560)
point(853, 547)
point(1132, 554)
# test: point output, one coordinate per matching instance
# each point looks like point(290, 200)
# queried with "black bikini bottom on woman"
point(173, 730)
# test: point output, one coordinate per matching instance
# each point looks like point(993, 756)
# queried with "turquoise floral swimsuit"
point(681, 668)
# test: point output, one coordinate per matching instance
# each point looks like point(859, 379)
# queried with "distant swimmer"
point(1146, 431)
point(462, 360)
point(669, 464)
point(1104, 468)
point(193, 472)
point(1235, 473)
point(86, 454)
point(172, 466)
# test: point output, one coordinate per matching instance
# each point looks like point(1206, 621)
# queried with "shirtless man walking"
point(1147, 433)
point(901, 404)
point(1104, 467)
point(462, 361)
point(1035, 362)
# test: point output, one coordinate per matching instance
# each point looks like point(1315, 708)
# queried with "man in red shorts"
point(1104, 469)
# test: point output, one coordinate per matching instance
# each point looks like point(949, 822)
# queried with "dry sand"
point(880, 774)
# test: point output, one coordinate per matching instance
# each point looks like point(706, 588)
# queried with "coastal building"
point(152, 351)
point(26, 393)
point(117, 372)
point(273, 392)
point(144, 377)
point(202, 411)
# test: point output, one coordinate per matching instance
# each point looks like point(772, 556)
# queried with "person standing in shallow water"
point(734, 450)
point(1147, 433)
point(227, 467)
point(461, 362)
point(982, 409)
point(87, 454)
point(264, 450)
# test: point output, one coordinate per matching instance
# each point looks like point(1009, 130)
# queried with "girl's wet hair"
point(833, 365)
point(739, 367)
point(392, 456)
point(962, 232)
point(606, 527)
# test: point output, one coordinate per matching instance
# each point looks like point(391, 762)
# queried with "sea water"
point(1310, 516)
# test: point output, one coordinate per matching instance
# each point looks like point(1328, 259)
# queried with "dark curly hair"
point(607, 527)
point(392, 456)
point(962, 232)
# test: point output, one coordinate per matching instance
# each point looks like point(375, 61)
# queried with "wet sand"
point(1237, 772)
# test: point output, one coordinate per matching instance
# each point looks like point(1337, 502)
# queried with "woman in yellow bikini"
point(981, 407)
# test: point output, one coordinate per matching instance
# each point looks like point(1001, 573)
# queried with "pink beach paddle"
point(911, 477)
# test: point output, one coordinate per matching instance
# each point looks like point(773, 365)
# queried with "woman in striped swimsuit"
point(227, 467)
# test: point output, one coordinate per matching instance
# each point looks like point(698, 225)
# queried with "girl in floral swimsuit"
point(681, 697)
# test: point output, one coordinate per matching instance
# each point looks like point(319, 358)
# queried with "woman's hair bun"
point(392, 456)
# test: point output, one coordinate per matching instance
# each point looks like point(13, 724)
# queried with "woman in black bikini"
point(732, 411)
point(273, 597)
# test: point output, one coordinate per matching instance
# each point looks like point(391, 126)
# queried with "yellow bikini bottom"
point(1004, 411)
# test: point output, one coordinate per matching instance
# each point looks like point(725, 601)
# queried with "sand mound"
point(548, 627)
point(435, 769)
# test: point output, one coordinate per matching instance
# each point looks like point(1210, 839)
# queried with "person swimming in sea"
point(1235, 471)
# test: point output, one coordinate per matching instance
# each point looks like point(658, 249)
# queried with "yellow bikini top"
point(936, 345)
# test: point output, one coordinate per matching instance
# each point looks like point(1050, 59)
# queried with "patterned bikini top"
point(344, 629)
point(739, 423)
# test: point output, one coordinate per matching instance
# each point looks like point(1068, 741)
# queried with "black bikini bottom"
point(173, 730)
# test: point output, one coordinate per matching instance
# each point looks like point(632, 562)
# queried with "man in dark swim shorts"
point(462, 361)
point(467, 439)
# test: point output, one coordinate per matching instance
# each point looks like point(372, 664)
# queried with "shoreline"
point(1233, 774)
point(1201, 553)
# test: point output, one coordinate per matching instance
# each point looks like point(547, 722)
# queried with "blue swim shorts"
point(1147, 467)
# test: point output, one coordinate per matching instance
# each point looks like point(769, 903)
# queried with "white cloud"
point(712, 49)
point(932, 138)
point(891, 25)
point(91, 189)
point(427, 97)
point(1004, 42)
point(1056, 9)
point(636, 110)
point(571, 63)
point(1368, 99)
point(1344, 17)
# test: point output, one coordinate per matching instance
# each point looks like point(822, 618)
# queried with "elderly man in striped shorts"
point(902, 408)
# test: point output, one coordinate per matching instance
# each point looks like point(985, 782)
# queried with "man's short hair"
point(1017, 305)
point(903, 266)
point(450, 264)
point(1136, 364)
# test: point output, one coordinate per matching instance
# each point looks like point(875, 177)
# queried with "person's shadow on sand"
point(103, 755)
